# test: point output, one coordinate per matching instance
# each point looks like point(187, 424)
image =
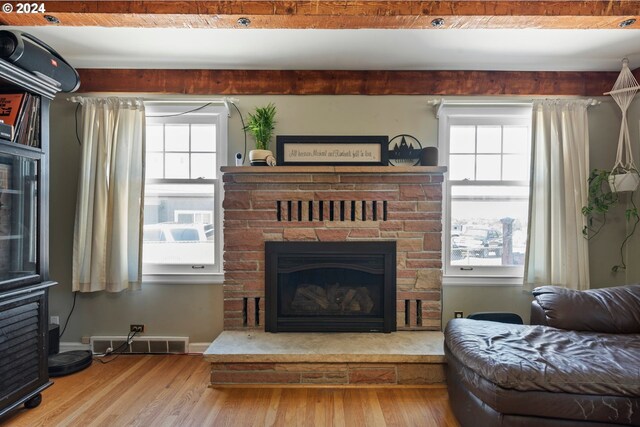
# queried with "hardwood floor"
point(172, 390)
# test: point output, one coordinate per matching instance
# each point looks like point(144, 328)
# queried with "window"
point(182, 233)
point(487, 150)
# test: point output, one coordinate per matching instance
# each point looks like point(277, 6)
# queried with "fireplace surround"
point(324, 204)
point(330, 286)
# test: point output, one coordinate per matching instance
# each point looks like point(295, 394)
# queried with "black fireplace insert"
point(330, 286)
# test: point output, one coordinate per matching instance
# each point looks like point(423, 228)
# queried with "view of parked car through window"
point(178, 243)
point(477, 242)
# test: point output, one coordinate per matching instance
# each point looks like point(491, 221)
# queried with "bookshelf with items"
point(24, 243)
point(20, 118)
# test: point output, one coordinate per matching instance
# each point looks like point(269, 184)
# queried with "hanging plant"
point(605, 186)
point(601, 198)
point(624, 174)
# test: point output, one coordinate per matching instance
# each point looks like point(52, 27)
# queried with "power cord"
point(66, 322)
point(244, 129)
point(244, 156)
point(76, 117)
point(184, 112)
point(117, 351)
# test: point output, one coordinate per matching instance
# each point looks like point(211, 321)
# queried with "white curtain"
point(107, 238)
point(557, 252)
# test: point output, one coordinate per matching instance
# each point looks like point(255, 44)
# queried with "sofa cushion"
point(613, 310)
point(525, 358)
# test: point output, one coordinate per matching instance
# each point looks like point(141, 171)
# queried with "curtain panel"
point(108, 226)
point(557, 252)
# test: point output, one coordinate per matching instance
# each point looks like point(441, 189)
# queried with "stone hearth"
point(326, 203)
point(342, 359)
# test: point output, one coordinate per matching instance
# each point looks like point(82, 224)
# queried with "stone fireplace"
point(333, 204)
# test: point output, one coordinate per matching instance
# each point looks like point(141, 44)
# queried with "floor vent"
point(160, 345)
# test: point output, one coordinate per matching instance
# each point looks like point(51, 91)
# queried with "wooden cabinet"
point(24, 247)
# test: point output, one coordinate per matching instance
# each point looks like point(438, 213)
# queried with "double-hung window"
point(487, 150)
point(182, 238)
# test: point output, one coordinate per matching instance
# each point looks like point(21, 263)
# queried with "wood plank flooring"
point(172, 390)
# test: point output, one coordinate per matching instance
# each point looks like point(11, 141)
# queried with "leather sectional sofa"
point(577, 365)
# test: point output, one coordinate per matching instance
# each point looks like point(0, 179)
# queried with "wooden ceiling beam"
point(321, 82)
point(320, 14)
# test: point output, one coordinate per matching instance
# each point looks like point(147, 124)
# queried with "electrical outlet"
point(54, 320)
point(458, 314)
point(85, 340)
point(136, 328)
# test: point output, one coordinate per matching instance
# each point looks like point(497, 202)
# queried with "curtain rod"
point(226, 101)
point(441, 103)
point(169, 100)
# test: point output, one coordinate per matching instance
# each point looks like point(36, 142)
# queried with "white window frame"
point(213, 114)
point(452, 115)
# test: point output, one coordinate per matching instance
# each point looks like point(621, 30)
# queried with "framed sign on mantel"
point(309, 150)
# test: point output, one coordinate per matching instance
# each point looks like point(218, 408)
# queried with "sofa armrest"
point(538, 315)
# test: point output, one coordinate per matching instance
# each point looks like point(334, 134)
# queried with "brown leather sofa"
point(577, 365)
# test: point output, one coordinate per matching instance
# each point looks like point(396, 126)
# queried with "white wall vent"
point(140, 345)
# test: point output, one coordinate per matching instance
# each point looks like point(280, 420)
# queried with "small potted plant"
point(261, 125)
point(601, 199)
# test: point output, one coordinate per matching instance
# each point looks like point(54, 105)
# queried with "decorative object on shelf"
point(331, 150)
point(624, 174)
point(403, 153)
point(261, 125)
point(429, 156)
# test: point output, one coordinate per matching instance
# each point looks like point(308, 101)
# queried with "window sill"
point(482, 281)
point(180, 279)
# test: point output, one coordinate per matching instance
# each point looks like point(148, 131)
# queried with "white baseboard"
point(69, 346)
point(196, 347)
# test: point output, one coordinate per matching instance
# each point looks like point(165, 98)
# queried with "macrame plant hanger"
point(624, 174)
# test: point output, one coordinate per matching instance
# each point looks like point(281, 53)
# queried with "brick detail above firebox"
point(283, 203)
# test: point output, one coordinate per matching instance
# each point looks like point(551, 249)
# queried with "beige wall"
point(633, 252)
point(196, 310)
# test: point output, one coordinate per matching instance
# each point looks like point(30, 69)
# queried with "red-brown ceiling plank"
point(319, 82)
point(392, 14)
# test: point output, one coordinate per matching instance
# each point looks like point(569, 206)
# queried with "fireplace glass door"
point(314, 286)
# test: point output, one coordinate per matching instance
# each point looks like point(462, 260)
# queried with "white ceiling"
point(374, 49)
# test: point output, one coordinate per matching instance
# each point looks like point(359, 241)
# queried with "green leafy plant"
point(600, 200)
point(261, 125)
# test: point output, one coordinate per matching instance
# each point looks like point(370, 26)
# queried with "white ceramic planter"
point(261, 158)
point(624, 182)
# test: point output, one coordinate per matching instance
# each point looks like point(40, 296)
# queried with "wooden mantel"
point(391, 14)
point(260, 170)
